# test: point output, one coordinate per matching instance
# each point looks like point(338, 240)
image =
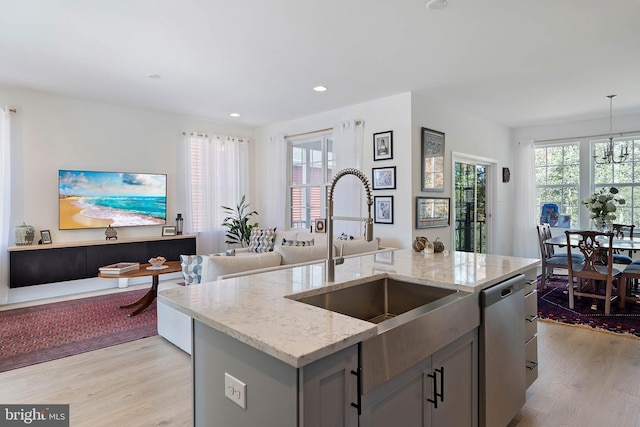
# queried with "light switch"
point(235, 390)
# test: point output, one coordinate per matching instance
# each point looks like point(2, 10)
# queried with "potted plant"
point(237, 223)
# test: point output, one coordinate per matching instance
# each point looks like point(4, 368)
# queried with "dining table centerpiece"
point(602, 207)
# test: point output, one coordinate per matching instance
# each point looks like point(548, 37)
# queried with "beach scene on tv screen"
point(89, 199)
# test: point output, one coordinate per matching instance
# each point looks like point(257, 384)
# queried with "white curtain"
point(525, 240)
point(216, 174)
point(5, 205)
point(349, 195)
point(274, 194)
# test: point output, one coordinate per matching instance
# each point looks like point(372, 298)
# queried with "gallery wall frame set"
point(432, 159)
point(432, 212)
point(383, 145)
point(383, 209)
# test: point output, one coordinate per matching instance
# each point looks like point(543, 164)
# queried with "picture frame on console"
point(320, 225)
point(45, 236)
point(169, 230)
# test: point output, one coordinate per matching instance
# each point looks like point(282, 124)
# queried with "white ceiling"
point(516, 62)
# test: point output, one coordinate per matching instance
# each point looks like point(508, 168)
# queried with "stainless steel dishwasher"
point(502, 352)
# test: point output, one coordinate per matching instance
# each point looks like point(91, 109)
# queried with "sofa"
point(290, 249)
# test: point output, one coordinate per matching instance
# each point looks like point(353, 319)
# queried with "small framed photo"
point(383, 145)
point(383, 209)
point(169, 230)
point(45, 236)
point(432, 212)
point(384, 178)
point(320, 225)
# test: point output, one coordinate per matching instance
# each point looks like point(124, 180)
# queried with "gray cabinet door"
point(399, 401)
point(328, 388)
point(456, 369)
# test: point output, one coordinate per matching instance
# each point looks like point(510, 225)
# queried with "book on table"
point(119, 268)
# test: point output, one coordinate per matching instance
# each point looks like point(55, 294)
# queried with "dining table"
point(622, 244)
point(618, 243)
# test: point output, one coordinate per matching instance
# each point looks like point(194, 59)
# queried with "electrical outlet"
point(235, 390)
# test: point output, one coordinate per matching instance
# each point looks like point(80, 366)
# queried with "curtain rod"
point(358, 123)
point(204, 135)
point(620, 134)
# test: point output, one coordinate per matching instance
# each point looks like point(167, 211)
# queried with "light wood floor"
point(587, 378)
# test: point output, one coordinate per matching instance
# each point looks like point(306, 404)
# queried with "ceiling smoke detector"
point(436, 4)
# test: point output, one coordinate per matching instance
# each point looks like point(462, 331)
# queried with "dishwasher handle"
point(502, 290)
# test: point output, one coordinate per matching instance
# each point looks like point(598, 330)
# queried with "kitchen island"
point(283, 362)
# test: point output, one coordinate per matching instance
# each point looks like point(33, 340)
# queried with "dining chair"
point(550, 259)
point(596, 269)
point(620, 231)
point(630, 278)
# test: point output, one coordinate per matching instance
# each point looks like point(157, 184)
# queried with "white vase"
point(601, 224)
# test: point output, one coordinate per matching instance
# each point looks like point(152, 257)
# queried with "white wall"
point(469, 135)
point(391, 113)
point(52, 132)
point(404, 114)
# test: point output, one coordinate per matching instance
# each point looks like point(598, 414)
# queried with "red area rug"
point(553, 304)
point(46, 332)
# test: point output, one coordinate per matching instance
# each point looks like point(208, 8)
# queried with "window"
point(621, 176)
point(311, 169)
point(560, 167)
point(558, 180)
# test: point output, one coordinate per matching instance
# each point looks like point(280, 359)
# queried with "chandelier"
point(608, 155)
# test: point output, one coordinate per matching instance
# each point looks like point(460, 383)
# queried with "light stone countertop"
point(254, 309)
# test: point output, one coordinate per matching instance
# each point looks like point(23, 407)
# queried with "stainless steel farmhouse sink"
point(414, 321)
point(378, 300)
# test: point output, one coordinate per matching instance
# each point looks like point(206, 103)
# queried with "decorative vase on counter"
point(24, 235)
point(601, 224)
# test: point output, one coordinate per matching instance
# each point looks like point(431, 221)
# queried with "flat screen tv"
point(89, 199)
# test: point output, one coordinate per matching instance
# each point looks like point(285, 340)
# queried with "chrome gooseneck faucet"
point(368, 233)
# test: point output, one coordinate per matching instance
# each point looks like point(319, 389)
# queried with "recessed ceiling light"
point(320, 88)
point(153, 76)
point(436, 4)
point(235, 114)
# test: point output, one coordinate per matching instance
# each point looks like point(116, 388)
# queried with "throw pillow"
point(191, 268)
point(286, 242)
point(262, 240)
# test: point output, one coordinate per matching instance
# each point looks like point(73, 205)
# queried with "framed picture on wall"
point(384, 178)
point(432, 212)
point(383, 145)
point(383, 209)
point(432, 159)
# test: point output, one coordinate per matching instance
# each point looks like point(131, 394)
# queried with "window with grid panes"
point(311, 170)
point(625, 176)
point(557, 169)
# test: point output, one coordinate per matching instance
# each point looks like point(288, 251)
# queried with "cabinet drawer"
point(531, 351)
point(531, 314)
point(530, 285)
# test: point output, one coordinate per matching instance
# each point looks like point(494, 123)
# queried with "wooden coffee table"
point(147, 299)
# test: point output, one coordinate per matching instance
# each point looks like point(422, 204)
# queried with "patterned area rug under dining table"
point(46, 332)
point(553, 304)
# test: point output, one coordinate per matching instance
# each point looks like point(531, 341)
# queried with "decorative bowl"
point(157, 262)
